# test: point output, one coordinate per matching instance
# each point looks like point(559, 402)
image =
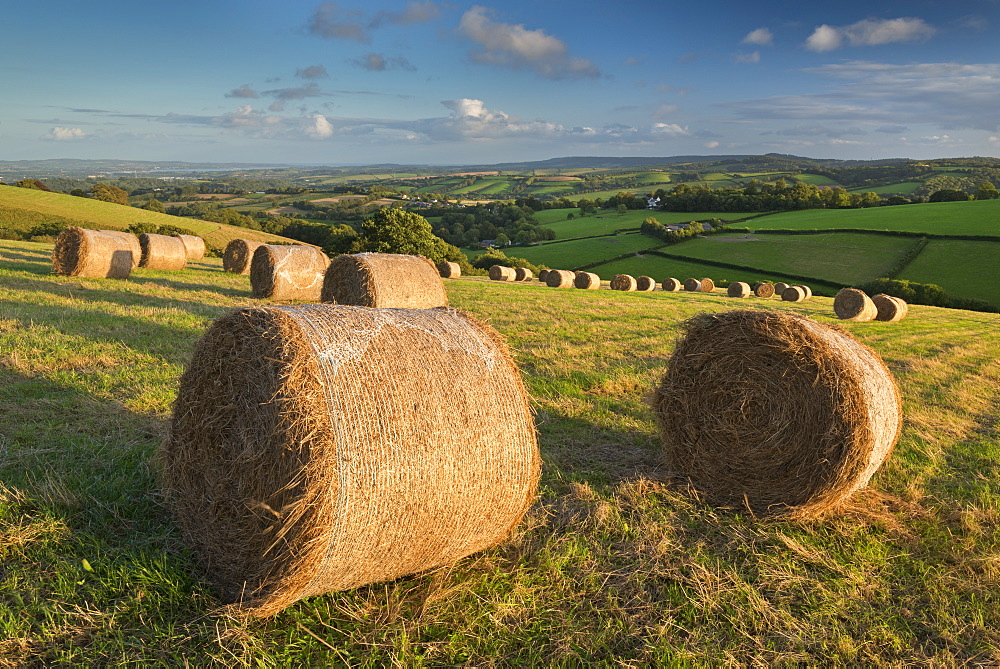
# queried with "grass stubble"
point(615, 563)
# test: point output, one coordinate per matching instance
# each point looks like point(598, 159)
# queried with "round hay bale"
point(738, 289)
point(384, 280)
point(523, 274)
point(587, 281)
point(763, 289)
point(645, 284)
point(560, 278)
point(92, 253)
point(808, 291)
point(194, 246)
point(336, 451)
point(542, 273)
point(671, 285)
point(692, 285)
point(793, 294)
point(288, 272)
point(449, 270)
point(890, 308)
point(833, 417)
point(131, 240)
point(238, 254)
point(707, 285)
point(502, 273)
point(162, 252)
point(623, 282)
point(779, 288)
point(851, 304)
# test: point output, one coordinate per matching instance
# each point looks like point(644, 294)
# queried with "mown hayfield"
point(616, 564)
point(607, 222)
point(577, 253)
point(979, 217)
point(661, 268)
point(966, 268)
point(903, 188)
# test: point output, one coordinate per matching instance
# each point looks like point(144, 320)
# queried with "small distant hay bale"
point(194, 246)
point(542, 273)
point(738, 289)
point(449, 270)
point(587, 281)
point(692, 285)
point(793, 294)
point(560, 278)
point(645, 284)
point(807, 289)
point(671, 285)
point(131, 240)
point(523, 274)
point(890, 309)
point(384, 280)
point(624, 282)
point(238, 254)
point(92, 254)
point(851, 304)
point(336, 451)
point(707, 285)
point(833, 417)
point(763, 289)
point(288, 272)
point(162, 252)
point(779, 288)
point(502, 273)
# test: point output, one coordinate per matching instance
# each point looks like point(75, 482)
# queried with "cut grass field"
point(577, 253)
point(616, 564)
point(606, 222)
point(966, 268)
point(660, 268)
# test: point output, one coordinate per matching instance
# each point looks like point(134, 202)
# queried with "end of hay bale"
point(889, 308)
point(560, 278)
point(623, 282)
point(707, 285)
point(645, 284)
point(763, 289)
point(542, 273)
point(238, 254)
point(671, 285)
point(449, 270)
point(779, 288)
point(523, 274)
point(384, 280)
point(587, 281)
point(692, 285)
point(502, 273)
point(738, 289)
point(851, 304)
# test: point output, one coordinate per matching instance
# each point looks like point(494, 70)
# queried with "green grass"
point(606, 222)
point(815, 179)
point(980, 217)
point(616, 564)
point(905, 188)
point(662, 268)
point(969, 269)
point(578, 253)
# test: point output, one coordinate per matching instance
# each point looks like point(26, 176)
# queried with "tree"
point(948, 195)
point(154, 205)
point(502, 240)
point(107, 193)
point(33, 184)
point(987, 191)
point(391, 230)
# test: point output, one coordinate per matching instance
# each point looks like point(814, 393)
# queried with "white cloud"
point(61, 134)
point(332, 21)
point(470, 119)
point(514, 46)
point(320, 128)
point(760, 36)
point(711, 145)
point(994, 140)
point(670, 129)
point(752, 57)
point(869, 32)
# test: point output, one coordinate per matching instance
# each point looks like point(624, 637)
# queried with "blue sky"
point(352, 83)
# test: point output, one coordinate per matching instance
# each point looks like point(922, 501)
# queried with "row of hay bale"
point(851, 304)
point(113, 254)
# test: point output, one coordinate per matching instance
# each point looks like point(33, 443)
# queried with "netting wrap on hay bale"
point(794, 294)
point(587, 281)
point(763, 289)
point(502, 273)
point(738, 289)
point(194, 246)
point(523, 274)
point(92, 253)
point(624, 282)
point(832, 417)
point(238, 254)
point(336, 451)
point(890, 308)
point(162, 252)
point(449, 270)
point(851, 304)
point(131, 240)
point(288, 272)
point(645, 283)
point(384, 280)
point(560, 278)
point(671, 285)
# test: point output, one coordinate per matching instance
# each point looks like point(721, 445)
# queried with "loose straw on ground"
point(162, 252)
point(384, 280)
point(92, 253)
point(851, 304)
point(288, 272)
point(238, 254)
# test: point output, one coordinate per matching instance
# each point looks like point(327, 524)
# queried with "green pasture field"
point(905, 188)
point(607, 221)
point(496, 188)
point(577, 253)
point(661, 268)
point(966, 268)
point(815, 179)
point(618, 563)
point(847, 258)
point(978, 217)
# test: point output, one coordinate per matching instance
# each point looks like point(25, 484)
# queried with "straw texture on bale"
point(851, 304)
point(624, 282)
point(692, 285)
point(523, 274)
point(793, 294)
point(194, 246)
point(542, 273)
point(560, 278)
point(502, 273)
point(707, 285)
point(808, 291)
point(449, 270)
point(238, 254)
point(671, 285)
point(779, 288)
point(763, 289)
point(384, 280)
point(738, 289)
point(92, 253)
point(162, 252)
point(833, 415)
point(131, 240)
point(587, 281)
point(317, 448)
point(890, 308)
point(645, 283)
point(288, 272)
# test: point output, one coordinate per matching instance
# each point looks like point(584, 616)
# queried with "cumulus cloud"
point(375, 62)
point(752, 57)
point(244, 91)
point(61, 134)
point(760, 36)
point(319, 128)
point(514, 46)
point(331, 21)
point(670, 129)
point(869, 32)
point(470, 119)
point(312, 72)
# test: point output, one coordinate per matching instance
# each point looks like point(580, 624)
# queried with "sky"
point(461, 83)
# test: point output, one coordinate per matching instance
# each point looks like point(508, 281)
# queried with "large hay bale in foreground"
point(384, 280)
point(194, 246)
point(523, 274)
point(832, 415)
point(502, 273)
point(851, 304)
point(890, 308)
point(92, 253)
point(449, 270)
point(288, 272)
point(560, 278)
point(738, 289)
point(238, 254)
point(645, 284)
point(763, 289)
point(794, 294)
point(624, 282)
point(587, 281)
point(162, 252)
point(337, 453)
point(671, 285)
point(131, 240)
